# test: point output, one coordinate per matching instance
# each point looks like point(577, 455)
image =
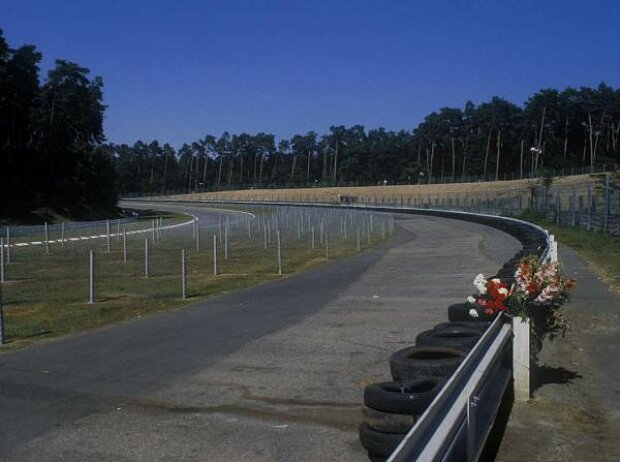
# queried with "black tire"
point(407, 397)
point(387, 422)
point(460, 312)
point(413, 362)
point(454, 337)
point(379, 443)
point(376, 458)
point(479, 325)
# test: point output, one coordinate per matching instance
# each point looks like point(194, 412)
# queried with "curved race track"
point(271, 373)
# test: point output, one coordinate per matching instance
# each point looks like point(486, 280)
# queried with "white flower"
point(473, 313)
point(480, 283)
point(495, 281)
point(503, 291)
point(471, 299)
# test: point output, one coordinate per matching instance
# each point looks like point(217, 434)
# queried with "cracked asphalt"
point(271, 373)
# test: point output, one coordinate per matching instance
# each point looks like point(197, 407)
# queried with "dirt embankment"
point(397, 194)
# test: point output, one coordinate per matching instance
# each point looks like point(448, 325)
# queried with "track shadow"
point(543, 375)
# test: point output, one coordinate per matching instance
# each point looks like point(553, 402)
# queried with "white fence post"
point(521, 358)
point(1, 317)
point(1, 259)
point(8, 245)
point(183, 276)
point(146, 258)
point(279, 253)
point(327, 246)
point(124, 245)
point(215, 255)
point(91, 285)
point(47, 239)
point(226, 240)
point(108, 236)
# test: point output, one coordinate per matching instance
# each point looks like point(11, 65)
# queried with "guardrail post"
point(553, 255)
point(521, 358)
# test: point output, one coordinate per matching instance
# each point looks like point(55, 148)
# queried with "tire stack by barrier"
point(418, 372)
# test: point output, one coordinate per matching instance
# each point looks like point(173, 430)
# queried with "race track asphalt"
point(274, 372)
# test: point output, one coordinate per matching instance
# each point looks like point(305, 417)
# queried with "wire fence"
point(592, 204)
point(417, 179)
point(58, 287)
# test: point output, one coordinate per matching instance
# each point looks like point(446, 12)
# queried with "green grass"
point(46, 295)
point(600, 249)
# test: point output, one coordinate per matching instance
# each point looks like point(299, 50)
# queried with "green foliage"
point(580, 128)
point(51, 136)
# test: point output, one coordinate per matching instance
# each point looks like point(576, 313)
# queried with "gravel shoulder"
point(575, 412)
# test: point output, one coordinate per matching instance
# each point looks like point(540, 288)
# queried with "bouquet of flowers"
point(539, 291)
point(492, 296)
point(537, 294)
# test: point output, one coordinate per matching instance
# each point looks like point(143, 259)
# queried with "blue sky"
point(177, 70)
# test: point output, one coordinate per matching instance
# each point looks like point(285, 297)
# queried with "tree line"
point(493, 140)
point(54, 153)
point(51, 136)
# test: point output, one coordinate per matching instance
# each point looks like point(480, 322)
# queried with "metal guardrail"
point(457, 423)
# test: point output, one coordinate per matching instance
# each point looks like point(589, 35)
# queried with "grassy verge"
point(602, 250)
point(46, 295)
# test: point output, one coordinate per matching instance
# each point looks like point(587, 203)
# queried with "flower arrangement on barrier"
point(537, 294)
point(539, 291)
point(492, 296)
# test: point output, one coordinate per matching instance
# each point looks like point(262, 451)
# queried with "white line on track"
point(104, 236)
point(138, 231)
